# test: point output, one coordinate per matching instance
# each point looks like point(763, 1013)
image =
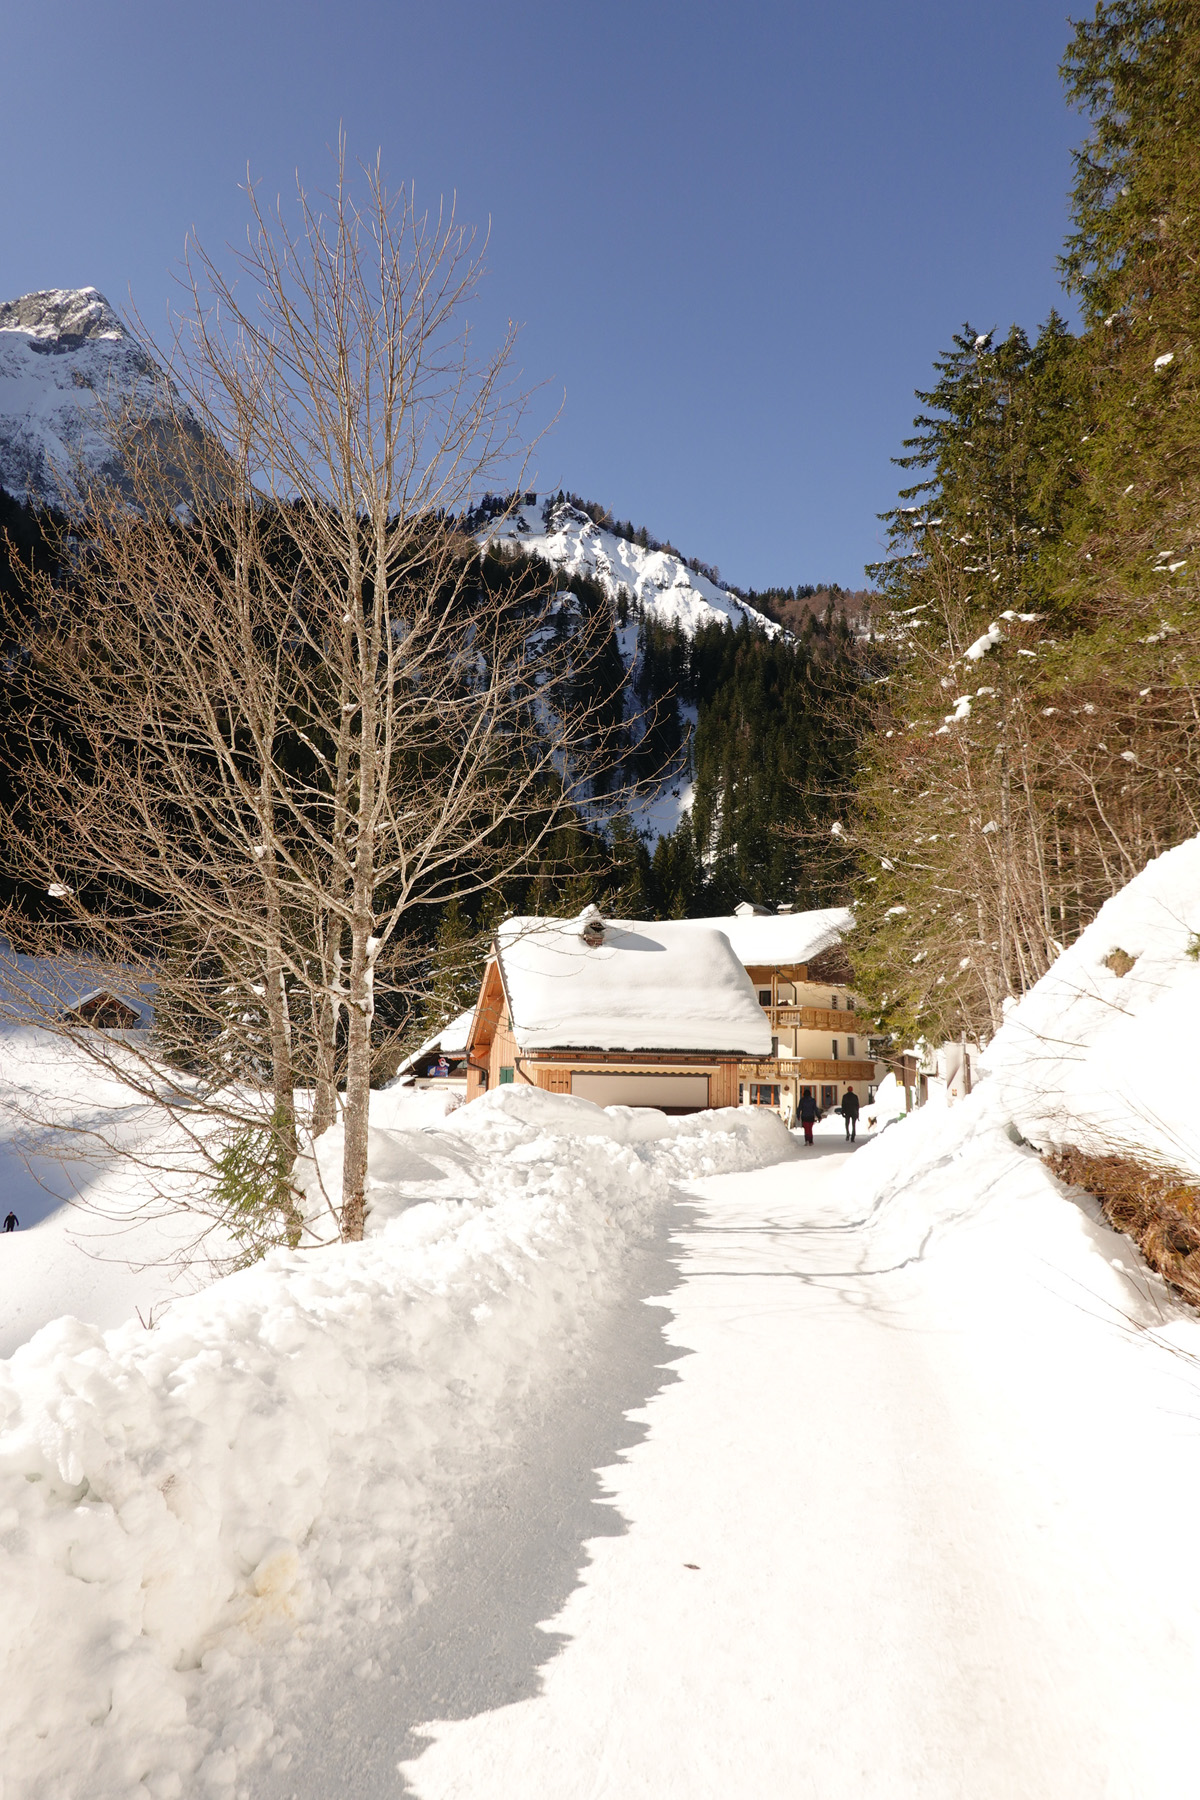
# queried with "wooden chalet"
point(623, 1014)
point(802, 980)
point(104, 1011)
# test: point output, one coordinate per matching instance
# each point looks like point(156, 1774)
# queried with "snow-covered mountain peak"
point(664, 585)
point(66, 361)
point(63, 316)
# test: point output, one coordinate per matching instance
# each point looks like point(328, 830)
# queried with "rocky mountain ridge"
point(68, 362)
point(67, 366)
point(663, 584)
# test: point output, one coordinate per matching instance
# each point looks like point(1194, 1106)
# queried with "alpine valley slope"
point(68, 365)
point(66, 357)
point(663, 585)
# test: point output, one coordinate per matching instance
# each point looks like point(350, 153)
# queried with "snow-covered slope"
point(1100, 1054)
point(662, 584)
point(65, 357)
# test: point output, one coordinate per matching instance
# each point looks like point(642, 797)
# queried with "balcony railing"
point(814, 1018)
point(806, 1068)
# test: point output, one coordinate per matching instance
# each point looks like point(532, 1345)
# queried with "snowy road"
point(917, 1569)
point(905, 1525)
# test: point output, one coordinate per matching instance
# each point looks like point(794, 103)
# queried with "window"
point(850, 1050)
point(835, 1054)
point(775, 1049)
point(833, 1002)
point(870, 1092)
point(506, 1075)
point(764, 996)
point(828, 1098)
point(849, 1002)
point(764, 1093)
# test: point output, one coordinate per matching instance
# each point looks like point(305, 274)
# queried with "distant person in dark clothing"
point(808, 1114)
point(12, 1221)
point(850, 1113)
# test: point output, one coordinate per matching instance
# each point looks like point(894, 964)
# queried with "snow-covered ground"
point(634, 1458)
point(1101, 1054)
point(663, 584)
point(187, 1510)
point(896, 1529)
point(91, 1240)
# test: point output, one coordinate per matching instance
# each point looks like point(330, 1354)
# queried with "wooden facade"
point(104, 1011)
point(813, 1039)
point(820, 1041)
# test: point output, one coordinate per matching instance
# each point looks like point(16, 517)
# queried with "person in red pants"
point(808, 1113)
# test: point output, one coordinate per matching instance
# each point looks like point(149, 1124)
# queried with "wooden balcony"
point(806, 1068)
point(814, 1018)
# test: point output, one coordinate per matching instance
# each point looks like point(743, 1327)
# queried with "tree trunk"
point(328, 1012)
point(357, 1107)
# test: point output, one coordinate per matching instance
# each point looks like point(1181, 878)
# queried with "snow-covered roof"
point(451, 1040)
point(778, 938)
point(653, 986)
point(102, 993)
point(35, 989)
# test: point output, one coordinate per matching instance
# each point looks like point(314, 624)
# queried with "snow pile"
point(1100, 1054)
point(64, 358)
point(663, 585)
point(646, 986)
point(953, 1195)
point(890, 1102)
point(279, 1457)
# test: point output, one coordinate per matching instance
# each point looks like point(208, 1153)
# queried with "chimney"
point(591, 927)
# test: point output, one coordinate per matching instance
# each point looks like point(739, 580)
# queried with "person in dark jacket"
point(849, 1111)
point(12, 1221)
point(808, 1113)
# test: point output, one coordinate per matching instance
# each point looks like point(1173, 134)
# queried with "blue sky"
point(735, 236)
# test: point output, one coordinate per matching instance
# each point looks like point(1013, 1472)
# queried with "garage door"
point(686, 1092)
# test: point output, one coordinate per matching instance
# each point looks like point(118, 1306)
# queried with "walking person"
point(849, 1110)
point(12, 1221)
point(808, 1113)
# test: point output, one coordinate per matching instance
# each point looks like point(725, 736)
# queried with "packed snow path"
point(911, 1521)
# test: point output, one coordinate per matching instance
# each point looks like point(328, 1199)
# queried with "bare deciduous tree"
point(268, 725)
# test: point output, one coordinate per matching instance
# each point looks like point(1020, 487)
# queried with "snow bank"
point(281, 1454)
point(94, 1240)
point(890, 1102)
point(1101, 1052)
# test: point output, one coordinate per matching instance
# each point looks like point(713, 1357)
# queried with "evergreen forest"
point(1031, 741)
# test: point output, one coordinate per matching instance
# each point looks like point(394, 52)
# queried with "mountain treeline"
point(764, 731)
point(760, 731)
point(1035, 739)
